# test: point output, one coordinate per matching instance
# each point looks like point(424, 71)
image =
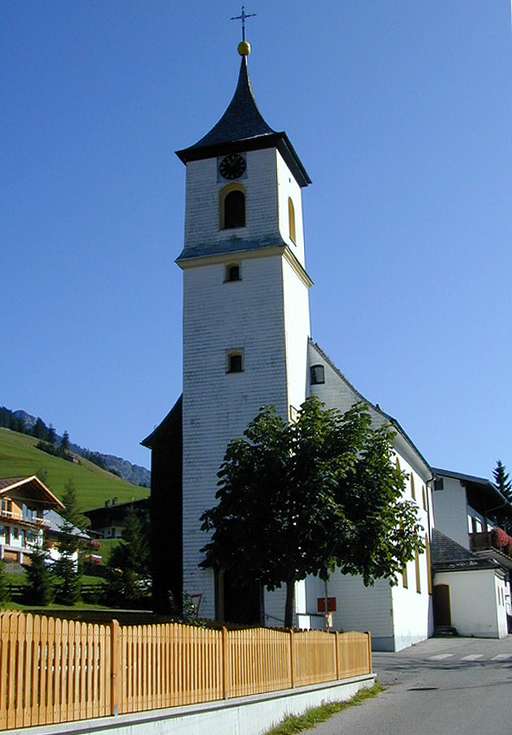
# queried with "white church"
point(247, 343)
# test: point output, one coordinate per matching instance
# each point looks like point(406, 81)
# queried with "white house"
point(28, 516)
point(471, 556)
point(247, 343)
point(24, 502)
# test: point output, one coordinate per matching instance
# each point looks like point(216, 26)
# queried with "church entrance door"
point(243, 604)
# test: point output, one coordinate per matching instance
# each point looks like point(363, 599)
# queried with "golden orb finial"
point(244, 48)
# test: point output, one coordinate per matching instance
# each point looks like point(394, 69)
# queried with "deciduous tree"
point(307, 497)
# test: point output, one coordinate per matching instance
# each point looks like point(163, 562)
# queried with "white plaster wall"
point(357, 607)
point(451, 511)
point(202, 199)
point(501, 609)
point(287, 186)
point(274, 603)
point(412, 611)
point(474, 602)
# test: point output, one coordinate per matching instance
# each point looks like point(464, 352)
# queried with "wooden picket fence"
point(54, 670)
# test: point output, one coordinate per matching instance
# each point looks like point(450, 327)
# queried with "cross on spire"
point(243, 16)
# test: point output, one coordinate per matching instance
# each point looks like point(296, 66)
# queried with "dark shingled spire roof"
point(242, 128)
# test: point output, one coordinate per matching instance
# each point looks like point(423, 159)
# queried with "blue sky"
point(401, 112)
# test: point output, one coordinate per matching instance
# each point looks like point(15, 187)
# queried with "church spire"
point(243, 128)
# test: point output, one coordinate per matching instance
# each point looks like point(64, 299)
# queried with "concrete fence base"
point(243, 716)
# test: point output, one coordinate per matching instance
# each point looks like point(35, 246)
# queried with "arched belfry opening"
point(232, 207)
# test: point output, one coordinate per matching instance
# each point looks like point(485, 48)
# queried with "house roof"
point(165, 427)
point(55, 522)
point(30, 486)
point(448, 555)
point(110, 512)
point(374, 406)
point(242, 127)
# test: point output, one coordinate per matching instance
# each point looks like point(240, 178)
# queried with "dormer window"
point(232, 273)
point(235, 362)
point(291, 221)
point(232, 207)
point(317, 374)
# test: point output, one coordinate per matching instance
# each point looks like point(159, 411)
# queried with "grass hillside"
point(19, 457)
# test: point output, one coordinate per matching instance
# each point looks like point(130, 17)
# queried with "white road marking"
point(440, 656)
point(502, 657)
point(473, 657)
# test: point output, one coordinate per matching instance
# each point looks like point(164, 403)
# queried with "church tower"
point(245, 302)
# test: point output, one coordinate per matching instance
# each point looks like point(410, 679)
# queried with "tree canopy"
point(303, 498)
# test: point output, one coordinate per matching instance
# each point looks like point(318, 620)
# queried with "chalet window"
point(405, 578)
point(16, 532)
point(232, 273)
point(439, 483)
point(317, 374)
point(235, 363)
point(7, 505)
point(413, 489)
point(291, 221)
point(232, 208)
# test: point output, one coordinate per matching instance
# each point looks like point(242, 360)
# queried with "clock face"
point(232, 166)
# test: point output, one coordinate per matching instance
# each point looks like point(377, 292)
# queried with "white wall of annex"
point(451, 511)
point(501, 608)
point(474, 603)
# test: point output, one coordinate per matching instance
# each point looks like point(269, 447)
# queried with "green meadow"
point(19, 457)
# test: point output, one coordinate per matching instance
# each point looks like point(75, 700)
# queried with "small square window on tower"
point(235, 362)
point(232, 273)
point(317, 374)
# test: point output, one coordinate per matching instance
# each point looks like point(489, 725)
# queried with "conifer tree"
point(68, 567)
point(40, 584)
point(40, 430)
point(128, 569)
point(64, 445)
point(52, 435)
point(502, 480)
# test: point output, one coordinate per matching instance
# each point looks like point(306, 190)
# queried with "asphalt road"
point(440, 687)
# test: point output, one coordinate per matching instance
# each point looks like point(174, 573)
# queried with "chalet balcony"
point(36, 521)
point(496, 540)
